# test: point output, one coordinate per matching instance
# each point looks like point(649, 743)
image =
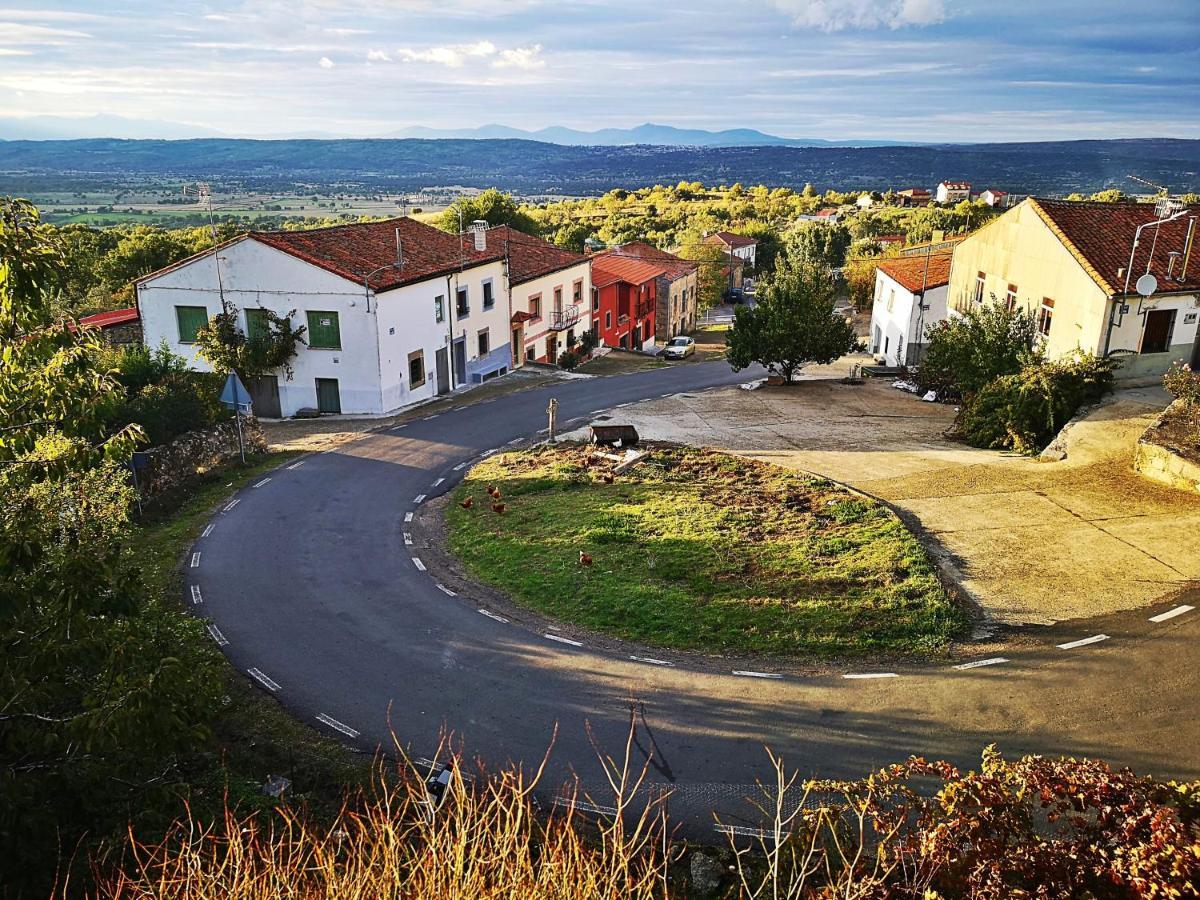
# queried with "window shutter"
point(190, 320)
point(256, 324)
point(323, 331)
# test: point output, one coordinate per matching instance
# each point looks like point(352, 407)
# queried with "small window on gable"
point(1045, 316)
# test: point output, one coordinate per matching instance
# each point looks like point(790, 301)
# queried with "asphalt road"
point(308, 582)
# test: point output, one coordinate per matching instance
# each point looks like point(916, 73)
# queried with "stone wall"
point(1159, 459)
point(191, 455)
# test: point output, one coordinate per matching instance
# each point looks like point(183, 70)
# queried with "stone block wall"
point(191, 455)
point(1162, 462)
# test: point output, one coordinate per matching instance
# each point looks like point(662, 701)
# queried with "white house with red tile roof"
point(994, 197)
point(910, 295)
point(953, 191)
point(396, 311)
point(745, 248)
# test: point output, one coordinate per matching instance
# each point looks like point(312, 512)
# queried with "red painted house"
point(626, 291)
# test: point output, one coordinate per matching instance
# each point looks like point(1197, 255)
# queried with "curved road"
point(311, 589)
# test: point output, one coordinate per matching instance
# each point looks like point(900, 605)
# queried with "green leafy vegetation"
point(700, 551)
point(270, 346)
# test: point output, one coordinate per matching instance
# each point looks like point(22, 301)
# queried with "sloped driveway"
point(1031, 541)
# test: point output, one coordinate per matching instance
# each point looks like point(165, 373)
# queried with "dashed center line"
point(490, 452)
point(585, 806)
point(493, 616)
point(261, 483)
point(865, 675)
point(651, 661)
point(207, 531)
point(460, 467)
point(445, 590)
point(296, 465)
point(215, 632)
point(407, 539)
point(197, 599)
point(562, 640)
point(1172, 613)
point(515, 441)
point(336, 725)
point(233, 503)
point(439, 481)
point(420, 565)
point(196, 560)
point(420, 498)
point(745, 673)
point(1083, 642)
point(980, 663)
point(740, 830)
point(261, 677)
point(408, 517)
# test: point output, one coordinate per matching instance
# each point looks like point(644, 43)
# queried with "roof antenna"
point(399, 250)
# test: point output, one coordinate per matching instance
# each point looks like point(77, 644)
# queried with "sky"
point(910, 70)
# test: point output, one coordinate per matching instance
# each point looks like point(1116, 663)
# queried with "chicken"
point(585, 559)
point(491, 489)
point(607, 477)
point(498, 508)
point(466, 504)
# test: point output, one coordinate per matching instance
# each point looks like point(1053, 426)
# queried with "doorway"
point(329, 399)
point(460, 361)
point(442, 367)
point(264, 396)
point(518, 341)
point(1156, 338)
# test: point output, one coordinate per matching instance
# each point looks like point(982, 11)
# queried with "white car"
point(679, 348)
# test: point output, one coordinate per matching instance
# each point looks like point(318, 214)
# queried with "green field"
point(697, 550)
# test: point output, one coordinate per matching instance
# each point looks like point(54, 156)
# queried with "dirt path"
point(1033, 542)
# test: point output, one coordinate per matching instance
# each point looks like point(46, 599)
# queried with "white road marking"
point(651, 661)
point(407, 539)
point(420, 565)
point(259, 676)
point(980, 663)
point(460, 467)
point(197, 599)
point(445, 590)
point(622, 405)
point(492, 615)
point(196, 560)
point(261, 483)
point(439, 481)
point(215, 632)
point(490, 452)
point(515, 441)
point(336, 725)
point(420, 498)
point(862, 675)
point(296, 465)
point(562, 640)
point(585, 806)
point(740, 830)
point(233, 503)
point(408, 517)
point(747, 674)
point(207, 531)
point(1083, 642)
point(1172, 613)
point(428, 418)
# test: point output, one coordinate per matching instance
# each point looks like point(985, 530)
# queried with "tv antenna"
point(1165, 205)
point(203, 192)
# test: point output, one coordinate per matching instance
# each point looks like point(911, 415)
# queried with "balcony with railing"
point(562, 319)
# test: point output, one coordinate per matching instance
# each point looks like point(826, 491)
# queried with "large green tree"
point(99, 693)
point(794, 323)
point(271, 344)
point(977, 346)
point(492, 206)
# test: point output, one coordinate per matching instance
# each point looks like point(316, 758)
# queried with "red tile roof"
point(957, 185)
point(608, 268)
point(729, 239)
point(112, 318)
point(354, 250)
point(911, 274)
point(1100, 236)
point(995, 192)
point(827, 212)
point(531, 257)
point(674, 266)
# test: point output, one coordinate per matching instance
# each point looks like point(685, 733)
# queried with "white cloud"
point(527, 58)
point(325, 62)
point(838, 15)
point(453, 56)
point(16, 33)
point(378, 56)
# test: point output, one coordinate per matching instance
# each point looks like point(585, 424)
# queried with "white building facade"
point(910, 296)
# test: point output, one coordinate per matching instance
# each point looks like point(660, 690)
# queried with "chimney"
point(1172, 258)
point(479, 229)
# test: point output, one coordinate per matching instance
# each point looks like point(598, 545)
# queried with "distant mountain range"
point(531, 167)
point(43, 128)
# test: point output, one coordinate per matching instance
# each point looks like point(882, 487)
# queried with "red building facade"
point(626, 290)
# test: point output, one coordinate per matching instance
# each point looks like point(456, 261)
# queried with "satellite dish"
point(1147, 285)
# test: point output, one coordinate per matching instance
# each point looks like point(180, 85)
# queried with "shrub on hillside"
point(569, 359)
point(1024, 411)
point(970, 350)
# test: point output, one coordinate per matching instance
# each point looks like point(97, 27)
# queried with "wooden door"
point(442, 367)
point(329, 399)
point(264, 395)
point(1157, 335)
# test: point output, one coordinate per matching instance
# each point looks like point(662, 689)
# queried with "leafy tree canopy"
point(971, 349)
point(271, 346)
point(492, 206)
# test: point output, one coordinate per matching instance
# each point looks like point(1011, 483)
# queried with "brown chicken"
point(468, 503)
point(607, 477)
point(491, 489)
point(498, 508)
point(585, 559)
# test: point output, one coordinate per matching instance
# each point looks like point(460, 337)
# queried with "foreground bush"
point(915, 831)
point(1024, 412)
point(975, 347)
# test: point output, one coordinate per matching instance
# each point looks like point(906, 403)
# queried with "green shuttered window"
point(256, 324)
point(190, 320)
point(323, 331)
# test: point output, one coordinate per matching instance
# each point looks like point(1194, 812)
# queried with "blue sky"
point(955, 70)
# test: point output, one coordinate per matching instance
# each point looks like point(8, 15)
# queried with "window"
point(608, 319)
point(558, 299)
point(484, 343)
point(891, 299)
point(531, 352)
point(1010, 298)
point(257, 324)
point(489, 300)
point(577, 292)
point(416, 369)
point(190, 320)
point(461, 306)
point(439, 308)
point(595, 299)
point(1045, 315)
point(323, 331)
point(535, 306)
point(980, 281)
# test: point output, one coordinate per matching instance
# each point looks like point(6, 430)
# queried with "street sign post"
point(235, 396)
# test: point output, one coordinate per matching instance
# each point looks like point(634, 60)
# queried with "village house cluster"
point(397, 311)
